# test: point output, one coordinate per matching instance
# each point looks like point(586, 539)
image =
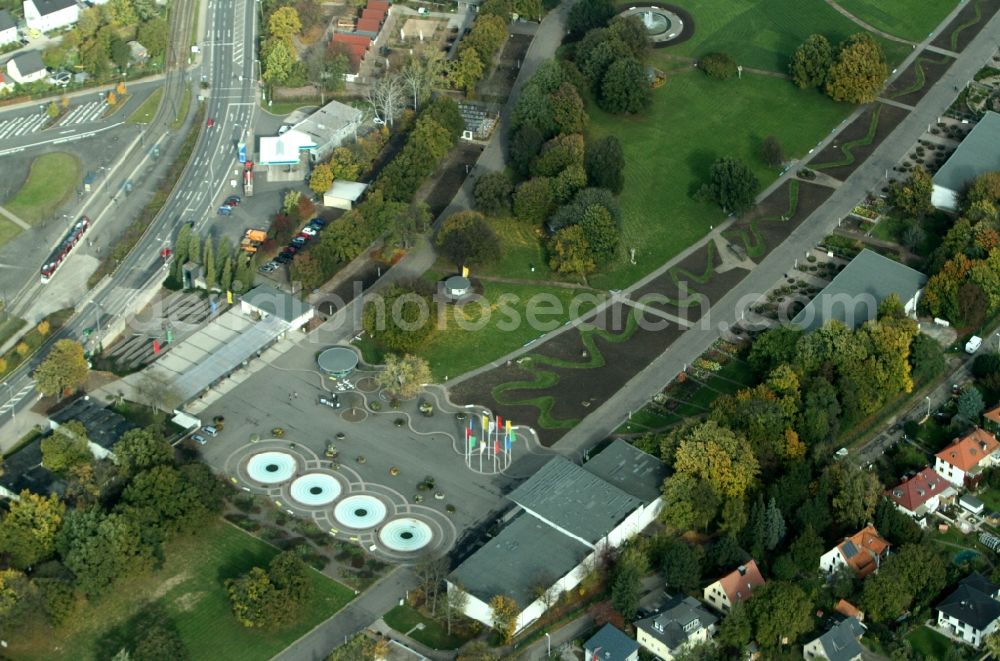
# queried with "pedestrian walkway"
point(867, 26)
point(894, 103)
point(86, 112)
point(14, 219)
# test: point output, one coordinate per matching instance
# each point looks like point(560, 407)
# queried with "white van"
point(972, 346)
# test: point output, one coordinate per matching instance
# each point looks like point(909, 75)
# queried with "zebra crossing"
point(18, 126)
point(239, 38)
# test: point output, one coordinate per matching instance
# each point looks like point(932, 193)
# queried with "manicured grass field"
point(51, 181)
point(764, 33)
point(909, 19)
point(144, 114)
point(929, 643)
point(669, 150)
point(190, 589)
point(453, 350)
point(433, 634)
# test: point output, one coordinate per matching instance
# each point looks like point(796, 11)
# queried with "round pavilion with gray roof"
point(338, 362)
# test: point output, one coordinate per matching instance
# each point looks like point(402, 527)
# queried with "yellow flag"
point(486, 422)
point(229, 297)
point(508, 426)
point(465, 271)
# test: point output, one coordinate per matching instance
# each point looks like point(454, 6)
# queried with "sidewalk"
point(420, 648)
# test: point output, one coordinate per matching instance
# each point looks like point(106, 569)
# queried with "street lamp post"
point(548, 642)
point(928, 398)
point(13, 411)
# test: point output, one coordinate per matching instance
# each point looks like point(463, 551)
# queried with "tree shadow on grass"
point(239, 563)
point(699, 161)
point(151, 623)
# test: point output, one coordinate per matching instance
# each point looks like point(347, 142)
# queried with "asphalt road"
point(230, 35)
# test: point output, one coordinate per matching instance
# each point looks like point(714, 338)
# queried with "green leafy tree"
point(344, 164)
point(28, 530)
point(156, 637)
point(732, 185)
point(691, 503)
point(492, 193)
point(806, 551)
point(570, 252)
point(141, 449)
point(153, 35)
point(122, 13)
point(568, 183)
point(503, 613)
point(915, 575)
point(467, 239)
point(466, 71)
point(534, 200)
point(401, 319)
point(587, 15)
point(52, 110)
point(602, 234)
point(718, 65)
point(681, 565)
point(64, 369)
point(180, 250)
point(604, 161)
point(121, 55)
point(568, 110)
point(780, 610)
point(811, 62)
point(626, 585)
point(859, 72)
point(559, 153)
point(194, 248)
point(913, 197)
point(100, 548)
point(321, 178)
point(625, 88)
point(895, 526)
point(171, 498)
point(970, 404)
point(857, 492)
point(66, 448)
point(404, 376)
point(256, 603)
point(719, 457)
point(279, 59)
point(525, 143)
point(226, 278)
point(209, 262)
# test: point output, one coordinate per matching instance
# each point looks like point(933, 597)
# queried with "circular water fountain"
point(664, 24)
point(360, 512)
point(315, 489)
point(406, 535)
point(271, 467)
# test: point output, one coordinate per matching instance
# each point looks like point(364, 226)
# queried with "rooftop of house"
point(740, 583)
point(862, 550)
point(23, 470)
point(271, 301)
point(975, 155)
point(840, 643)
point(104, 426)
point(973, 602)
point(611, 644)
point(575, 500)
point(525, 554)
point(326, 122)
point(967, 452)
point(847, 609)
point(853, 296)
point(46, 7)
point(630, 469)
point(911, 494)
point(29, 62)
point(347, 190)
point(993, 414)
point(6, 20)
point(680, 618)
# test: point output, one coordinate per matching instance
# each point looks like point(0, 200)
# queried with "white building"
point(8, 28)
point(962, 463)
point(567, 516)
point(976, 155)
point(862, 553)
point(735, 587)
point(26, 67)
point(840, 643)
point(264, 302)
point(921, 494)
point(972, 610)
point(344, 194)
point(48, 15)
point(682, 623)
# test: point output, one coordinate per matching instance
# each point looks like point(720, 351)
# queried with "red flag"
point(156, 347)
point(496, 446)
point(468, 432)
point(499, 423)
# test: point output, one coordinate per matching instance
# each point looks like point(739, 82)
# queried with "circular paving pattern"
point(271, 467)
point(315, 489)
point(367, 384)
point(360, 512)
point(665, 25)
point(354, 414)
point(406, 534)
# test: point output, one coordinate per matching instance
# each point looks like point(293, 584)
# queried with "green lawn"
point(433, 634)
point(190, 589)
point(144, 114)
point(51, 181)
point(929, 643)
point(909, 19)
point(763, 34)
point(669, 151)
point(453, 350)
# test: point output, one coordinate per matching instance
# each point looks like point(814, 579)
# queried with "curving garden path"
point(871, 28)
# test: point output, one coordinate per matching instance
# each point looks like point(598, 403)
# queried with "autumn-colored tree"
point(569, 252)
point(321, 178)
point(859, 72)
point(120, 87)
point(64, 102)
point(284, 23)
point(111, 99)
point(913, 197)
point(22, 349)
point(404, 376)
point(503, 611)
point(28, 531)
point(64, 368)
point(718, 456)
point(43, 328)
point(52, 110)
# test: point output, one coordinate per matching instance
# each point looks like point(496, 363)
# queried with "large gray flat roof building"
point(630, 469)
point(104, 426)
point(852, 297)
point(978, 153)
point(527, 553)
point(575, 500)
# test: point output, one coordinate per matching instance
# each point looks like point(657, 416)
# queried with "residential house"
point(840, 643)
point(971, 504)
point(565, 517)
point(48, 15)
point(104, 427)
point(26, 67)
point(862, 553)
point(921, 494)
point(8, 28)
point(976, 155)
point(681, 623)
point(610, 644)
point(23, 471)
point(847, 609)
point(972, 610)
point(991, 420)
point(734, 588)
point(962, 462)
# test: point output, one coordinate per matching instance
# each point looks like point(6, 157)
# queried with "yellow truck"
point(252, 240)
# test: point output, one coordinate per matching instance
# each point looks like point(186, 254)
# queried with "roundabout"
point(665, 25)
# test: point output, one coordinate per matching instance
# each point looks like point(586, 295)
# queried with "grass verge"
point(51, 181)
point(190, 588)
point(908, 19)
point(144, 114)
point(137, 228)
point(182, 111)
point(406, 619)
point(32, 341)
point(929, 643)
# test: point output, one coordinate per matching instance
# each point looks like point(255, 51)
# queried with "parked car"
point(267, 268)
point(233, 201)
point(211, 431)
point(317, 223)
point(330, 400)
point(210, 123)
point(299, 241)
point(198, 438)
point(309, 231)
point(290, 249)
point(225, 211)
point(283, 258)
